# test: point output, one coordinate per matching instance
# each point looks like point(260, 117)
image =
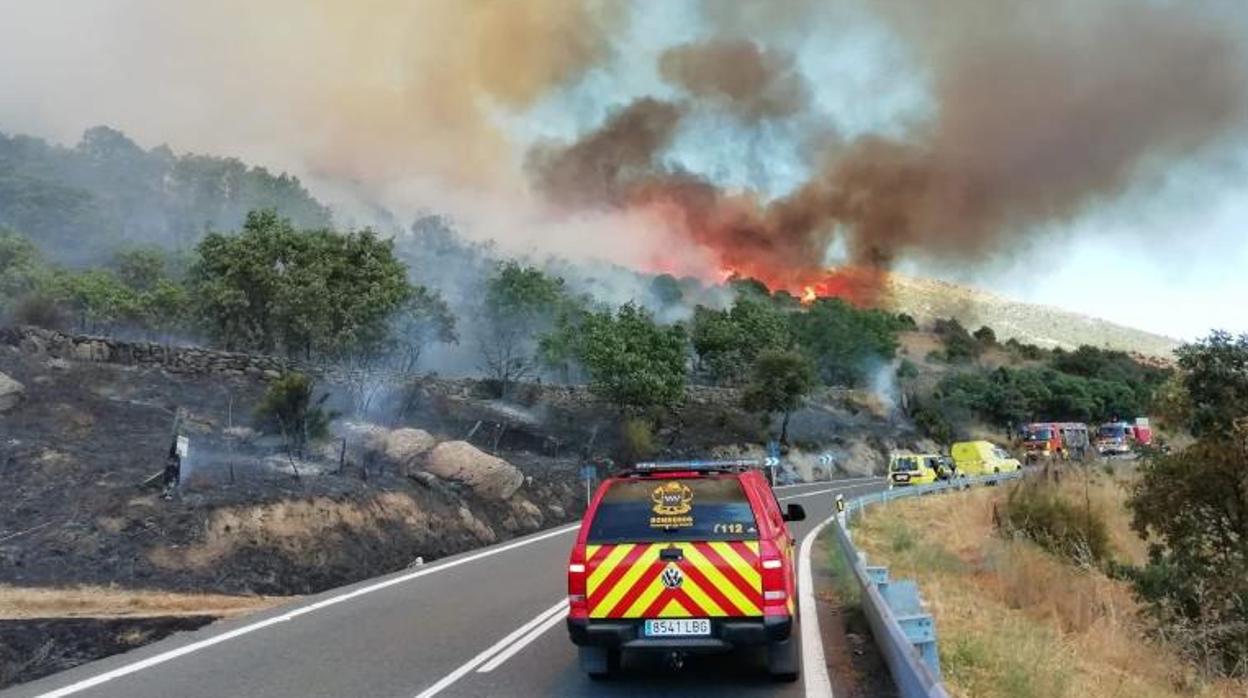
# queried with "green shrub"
point(636, 440)
point(1039, 512)
point(289, 407)
point(932, 422)
point(960, 346)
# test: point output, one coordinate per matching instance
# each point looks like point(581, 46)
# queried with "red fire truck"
point(1118, 438)
point(1055, 440)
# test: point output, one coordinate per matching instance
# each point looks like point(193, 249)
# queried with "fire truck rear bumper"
point(726, 634)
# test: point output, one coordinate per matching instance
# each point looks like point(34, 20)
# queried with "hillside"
point(81, 202)
point(1046, 326)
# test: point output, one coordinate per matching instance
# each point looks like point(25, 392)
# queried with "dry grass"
point(288, 526)
point(104, 602)
point(1015, 621)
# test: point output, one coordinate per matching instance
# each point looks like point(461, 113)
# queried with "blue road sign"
point(588, 472)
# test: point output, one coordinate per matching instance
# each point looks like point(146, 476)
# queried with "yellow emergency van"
point(974, 458)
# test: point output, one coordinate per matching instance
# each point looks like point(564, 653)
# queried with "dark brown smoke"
point(1039, 114)
point(739, 74)
point(604, 165)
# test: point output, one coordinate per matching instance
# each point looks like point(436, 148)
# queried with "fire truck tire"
point(784, 661)
point(599, 662)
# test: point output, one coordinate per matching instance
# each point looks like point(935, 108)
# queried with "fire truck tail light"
point(576, 568)
point(774, 596)
point(772, 564)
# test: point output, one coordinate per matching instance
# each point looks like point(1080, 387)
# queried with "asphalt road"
point(485, 623)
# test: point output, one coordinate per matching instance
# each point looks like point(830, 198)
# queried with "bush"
point(1012, 395)
point(960, 346)
point(636, 440)
point(1192, 504)
point(985, 336)
point(289, 407)
point(934, 423)
point(633, 361)
point(778, 382)
point(1039, 512)
point(845, 343)
point(1026, 352)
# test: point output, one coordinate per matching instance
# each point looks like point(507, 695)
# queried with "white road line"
point(184, 650)
point(814, 667)
point(488, 652)
point(550, 622)
point(811, 494)
point(323, 603)
point(828, 482)
point(521, 643)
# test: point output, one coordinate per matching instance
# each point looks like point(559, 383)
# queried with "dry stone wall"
point(175, 359)
point(198, 360)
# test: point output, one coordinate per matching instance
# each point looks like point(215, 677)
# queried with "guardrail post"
point(903, 598)
point(878, 575)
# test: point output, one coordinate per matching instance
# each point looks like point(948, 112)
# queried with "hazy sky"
point(383, 97)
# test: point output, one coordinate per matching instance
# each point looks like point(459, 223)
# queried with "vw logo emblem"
point(672, 577)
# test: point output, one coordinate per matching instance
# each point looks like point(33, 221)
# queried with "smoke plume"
point(1035, 112)
point(738, 73)
point(1037, 115)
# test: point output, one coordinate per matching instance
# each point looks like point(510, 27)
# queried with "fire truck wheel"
point(599, 662)
point(784, 661)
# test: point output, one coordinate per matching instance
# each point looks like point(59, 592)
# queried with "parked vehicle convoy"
point(1118, 438)
point(681, 558)
point(1047, 440)
point(906, 469)
point(975, 458)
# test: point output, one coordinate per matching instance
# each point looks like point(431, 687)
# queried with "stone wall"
point(175, 359)
point(198, 360)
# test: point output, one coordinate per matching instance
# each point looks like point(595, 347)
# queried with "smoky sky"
point(1037, 116)
point(1035, 112)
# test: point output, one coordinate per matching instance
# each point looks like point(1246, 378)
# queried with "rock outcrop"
point(402, 447)
point(11, 393)
point(488, 476)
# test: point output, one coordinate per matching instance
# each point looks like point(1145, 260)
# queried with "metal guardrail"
point(903, 630)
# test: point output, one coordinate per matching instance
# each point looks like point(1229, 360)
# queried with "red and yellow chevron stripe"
point(718, 579)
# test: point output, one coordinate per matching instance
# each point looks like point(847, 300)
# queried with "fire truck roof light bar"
point(697, 465)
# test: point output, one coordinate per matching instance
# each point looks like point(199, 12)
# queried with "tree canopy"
point(521, 305)
point(726, 341)
point(779, 380)
point(1194, 504)
point(272, 287)
point(845, 343)
point(633, 362)
point(78, 203)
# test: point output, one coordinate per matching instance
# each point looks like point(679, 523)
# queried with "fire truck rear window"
point(638, 511)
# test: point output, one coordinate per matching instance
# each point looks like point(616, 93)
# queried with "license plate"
point(901, 477)
point(675, 627)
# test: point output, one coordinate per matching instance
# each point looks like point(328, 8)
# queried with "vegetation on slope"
point(84, 202)
point(1015, 620)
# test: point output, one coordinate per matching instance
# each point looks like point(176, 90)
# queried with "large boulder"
point(460, 461)
point(11, 393)
point(402, 447)
point(528, 514)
